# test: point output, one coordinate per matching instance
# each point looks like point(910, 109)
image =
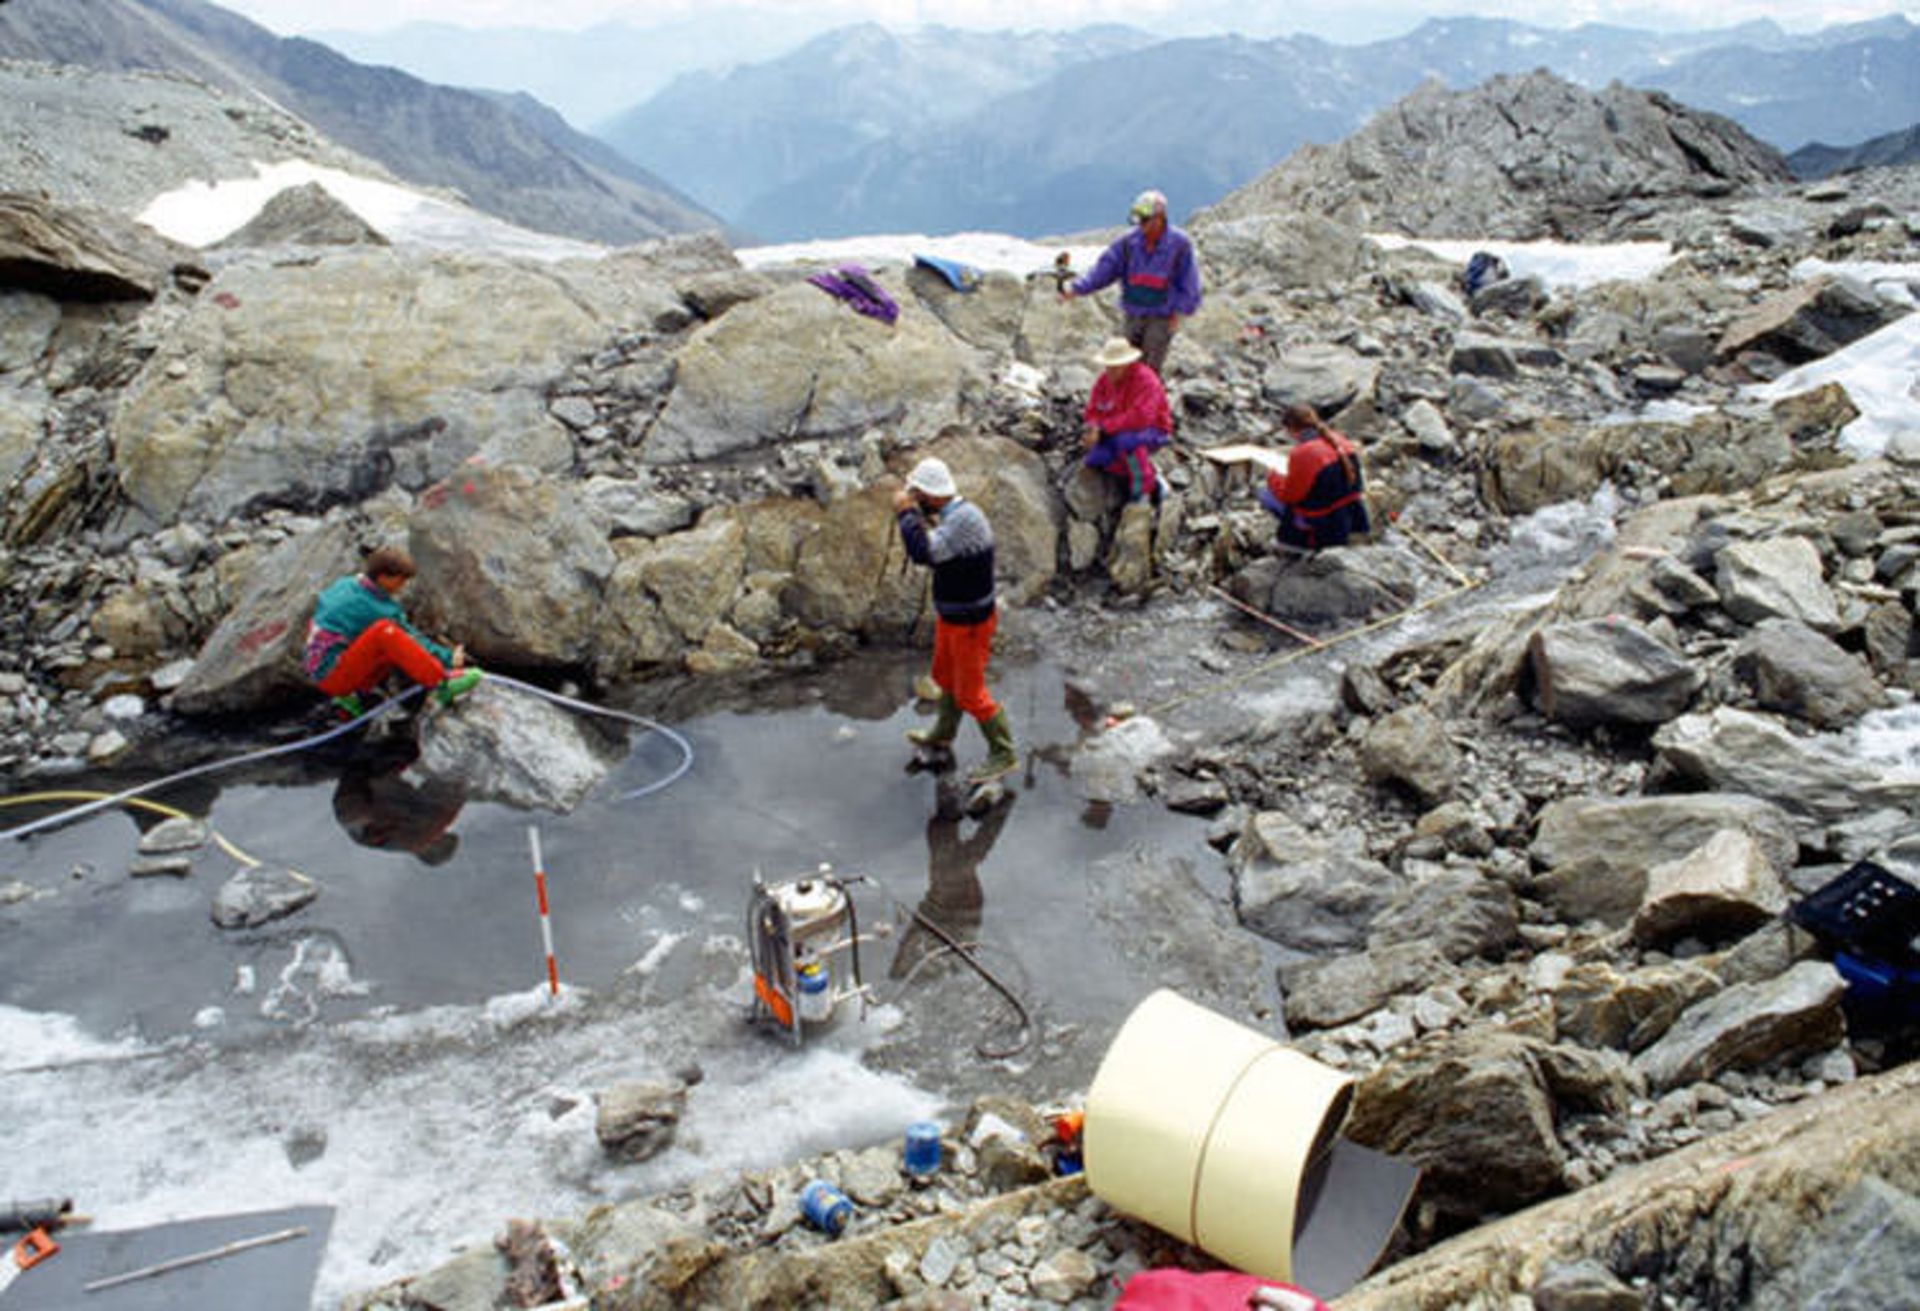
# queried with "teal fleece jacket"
point(347, 608)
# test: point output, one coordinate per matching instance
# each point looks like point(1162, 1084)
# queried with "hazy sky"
point(1333, 18)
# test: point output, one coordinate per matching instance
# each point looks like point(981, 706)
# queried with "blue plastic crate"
point(1885, 990)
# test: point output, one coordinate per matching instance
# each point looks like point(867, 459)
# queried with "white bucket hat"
point(932, 477)
point(1116, 351)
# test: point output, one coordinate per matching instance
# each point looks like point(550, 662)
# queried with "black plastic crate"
point(1868, 910)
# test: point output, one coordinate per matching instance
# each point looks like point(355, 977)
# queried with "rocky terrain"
point(1528, 868)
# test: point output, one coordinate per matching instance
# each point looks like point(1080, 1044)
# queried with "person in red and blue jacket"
point(360, 634)
point(1321, 498)
point(1159, 277)
point(1127, 420)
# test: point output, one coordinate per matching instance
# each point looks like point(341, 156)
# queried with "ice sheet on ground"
point(201, 213)
point(1555, 263)
point(427, 1131)
point(983, 250)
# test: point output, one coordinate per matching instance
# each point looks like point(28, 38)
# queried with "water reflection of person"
point(380, 808)
point(954, 899)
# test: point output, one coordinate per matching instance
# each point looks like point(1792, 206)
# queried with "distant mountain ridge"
point(790, 153)
point(505, 158)
point(731, 137)
point(1889, 151)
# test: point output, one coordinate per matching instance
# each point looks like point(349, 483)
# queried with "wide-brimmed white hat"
point(1116, 351)
point(932, 477)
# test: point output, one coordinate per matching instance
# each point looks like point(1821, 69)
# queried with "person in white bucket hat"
point(1159, 277)
point(950, 534)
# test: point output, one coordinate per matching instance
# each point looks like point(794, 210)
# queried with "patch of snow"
point(1555, 263)
point(1892, 738)
point(984, 250)
point(1881, 373)
point(201, 213)
point(1661, 411)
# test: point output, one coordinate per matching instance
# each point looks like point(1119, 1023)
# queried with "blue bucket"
point(922, 1153)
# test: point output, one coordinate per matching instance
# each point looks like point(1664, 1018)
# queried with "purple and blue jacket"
point(1163, 281)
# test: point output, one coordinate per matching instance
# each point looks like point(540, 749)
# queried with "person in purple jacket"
point(1159, 278)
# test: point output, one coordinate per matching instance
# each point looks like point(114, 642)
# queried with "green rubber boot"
point(946, 722)
point(1001, 757)
point(456, 686)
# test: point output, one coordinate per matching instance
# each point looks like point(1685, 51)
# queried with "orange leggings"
point(382, 647)
point(960, 664)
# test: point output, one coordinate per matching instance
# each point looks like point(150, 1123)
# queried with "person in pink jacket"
point(1127, 419)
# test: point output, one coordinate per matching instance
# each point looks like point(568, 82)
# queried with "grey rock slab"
point(1821, 778)
point(502, 744)
point(261, 894)
point(1306, 891)
point(1748, 1025)
point(1779, 578)
point(1724, 887)
point(1602, 671)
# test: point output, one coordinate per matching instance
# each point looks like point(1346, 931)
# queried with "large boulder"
point(1411, 748)
point(512, 565)
point(1778, 578)
point(499, 743)
point(1458, 912)
point(1799, 672)
point(307, 383)
point(1305, 891)
point(1809, 321)
point(1725, 887)
point(799, 364)
point(253, 658)
point(1821, 778)
point(1342, 582)
point(1301, 249)
point(1329, 378)
point(1609, 671)
point(1597, 1005)
point(1475, 1110)
point(82, 254)
point(1596, 851)
point(987, 317)
point(1749, 1024)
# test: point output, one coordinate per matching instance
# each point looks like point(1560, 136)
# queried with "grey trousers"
point(1152, 334)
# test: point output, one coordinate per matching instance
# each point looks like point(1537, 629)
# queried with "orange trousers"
point(382, 647)
point(960, 664)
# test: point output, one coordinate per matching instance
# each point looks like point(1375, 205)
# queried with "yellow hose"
point(152, 808)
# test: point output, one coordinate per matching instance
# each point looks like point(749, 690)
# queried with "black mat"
point(275, 1277)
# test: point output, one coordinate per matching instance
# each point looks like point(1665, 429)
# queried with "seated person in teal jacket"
point(360, 634)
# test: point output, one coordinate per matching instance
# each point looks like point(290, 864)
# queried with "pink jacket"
point(1136, 400)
